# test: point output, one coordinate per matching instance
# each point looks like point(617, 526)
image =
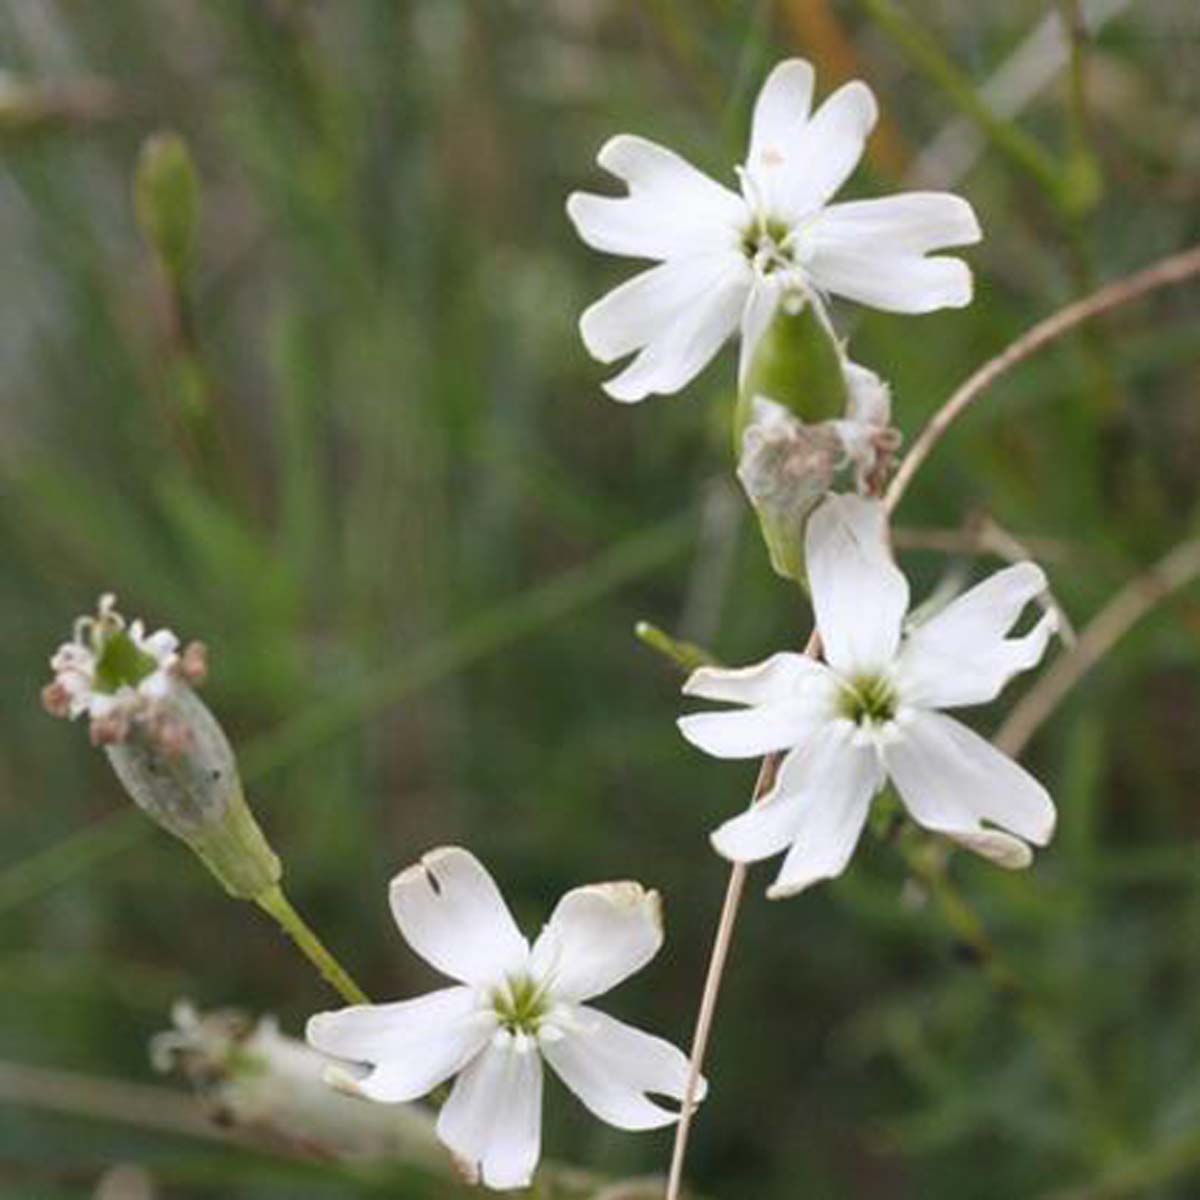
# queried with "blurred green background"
point(368, 461)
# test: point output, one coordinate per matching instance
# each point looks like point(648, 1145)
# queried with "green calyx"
point(192, 789)
point(521, 1005)
point(868, 699)
point(119, 663)
point(798, 364)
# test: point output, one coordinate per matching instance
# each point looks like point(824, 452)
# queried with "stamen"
point(767, 244)
point(868, 700)
point(521, 1006)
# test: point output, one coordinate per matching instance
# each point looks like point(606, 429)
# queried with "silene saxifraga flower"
point(870, 711)
point(725, 258)
point(513, 1007)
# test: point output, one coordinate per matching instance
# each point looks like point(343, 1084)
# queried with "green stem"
point(277, 905)
point(1083, 183)
point(927, 57)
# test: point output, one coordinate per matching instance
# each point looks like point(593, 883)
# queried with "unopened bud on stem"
point(166, 196)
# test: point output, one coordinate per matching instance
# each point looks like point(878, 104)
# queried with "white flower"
point(513, 1007)
point(869, 712)
point(112, 671)
point(725, 259)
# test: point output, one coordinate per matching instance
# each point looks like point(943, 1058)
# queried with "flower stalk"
point(276, 905)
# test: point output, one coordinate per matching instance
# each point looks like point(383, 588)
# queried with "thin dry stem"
point(1169, 271)
point(1133, 602)
point(712, 987)
point(716, 971)
point(981, 536)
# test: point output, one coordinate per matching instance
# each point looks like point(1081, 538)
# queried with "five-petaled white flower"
point(870, 711)
point(725, 259)
point(513, 1007)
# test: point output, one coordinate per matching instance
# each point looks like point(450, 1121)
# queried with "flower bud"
point(164, 744)
point(686, 655)
point(166, 196)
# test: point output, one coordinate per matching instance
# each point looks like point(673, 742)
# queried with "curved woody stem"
point(1133, 602)
point(1178, 268)
point(716, 971)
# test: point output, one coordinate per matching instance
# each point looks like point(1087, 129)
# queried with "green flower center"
point(119, 663)
point(764, 244)
point(868, 699)
point(521, 1005)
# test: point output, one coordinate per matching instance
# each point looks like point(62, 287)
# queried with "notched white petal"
point(859, 594)
point(671, 208)
point(962, 655)
point(411, 1046)
point(452, 914)
point(614, 1069)
point(827, 150)
point(746, 733)
point(677, 353)
point(780, 111)
point(597, 936)
point(779, 677)
point(831, 811)
point(492, 1120)
point(764, 830)
point(892, 283)
point(997, 847)
point(643, 308)
point(955, 782)
point(909, 223)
